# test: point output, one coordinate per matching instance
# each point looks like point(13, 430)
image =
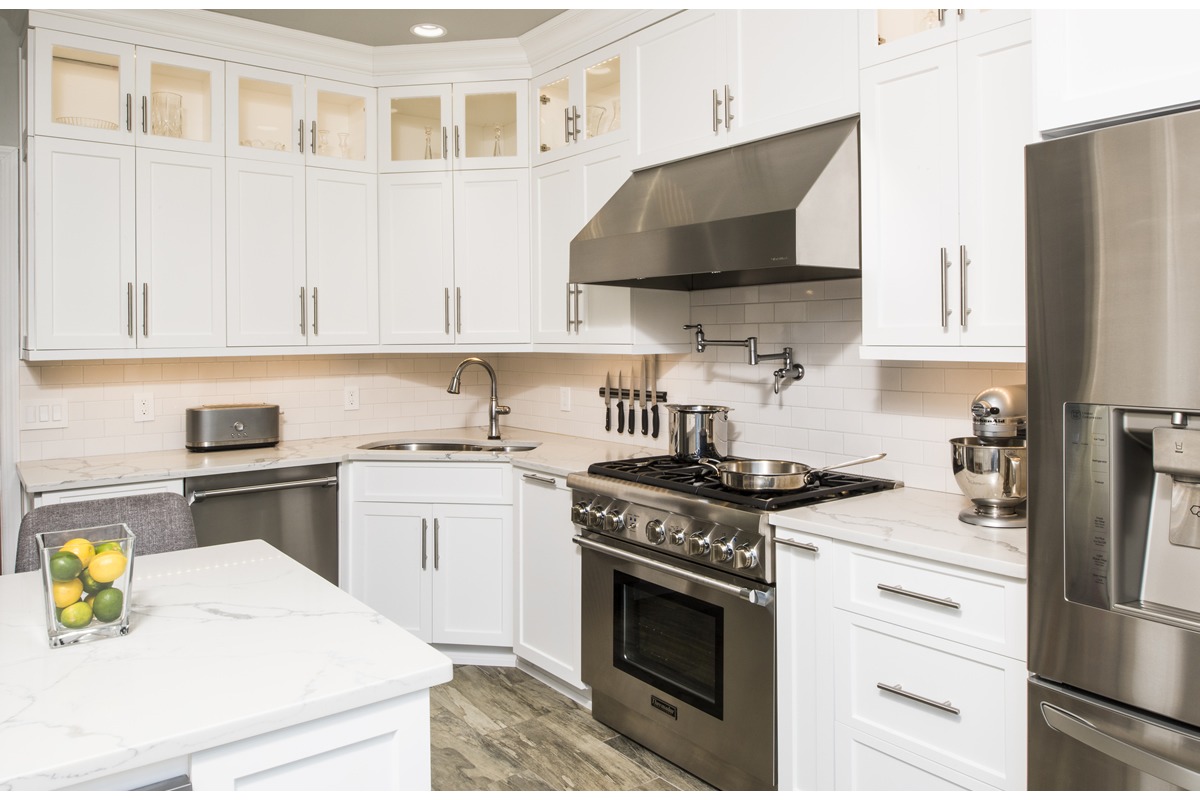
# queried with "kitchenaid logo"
point(665, 707)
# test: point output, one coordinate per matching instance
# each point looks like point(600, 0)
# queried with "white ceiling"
point(379, 26)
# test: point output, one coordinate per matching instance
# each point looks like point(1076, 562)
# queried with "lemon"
point(80, 547)
point(77, 615)
point(65, 565)
point(105, 546)
point(90, 584)
point(67, 592)
point(107, 566)
point(90, 600)
point(108, 605)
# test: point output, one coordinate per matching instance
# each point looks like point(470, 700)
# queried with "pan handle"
point(855, 462)
point(711, 463)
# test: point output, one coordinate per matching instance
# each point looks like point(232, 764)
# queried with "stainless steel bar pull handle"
point(716, 112)
point(570, 295)
point(315, 312)
point(312, 138)
point(436, 553)
point(900, 590)
point(458, 309)
point(457, 143)
point(145, 309)
point(129, 112)
point(445, 145)
point(812, 548)
point(144, 126)
point(566, 126)
point(943, 266)
point(941, 15)
point(300, 139)
point(902, 692)
point(728, 108)
point(129, 309)
point(196, 497)
point(575, 123)
point(531, 477)
point(963, 261)
point(303, 310)
point(447, 310)
point(578, 299)
point(424, 552)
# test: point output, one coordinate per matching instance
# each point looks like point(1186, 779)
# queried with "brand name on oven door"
point(664, 706)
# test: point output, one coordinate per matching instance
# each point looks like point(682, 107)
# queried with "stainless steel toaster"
point(220, 427)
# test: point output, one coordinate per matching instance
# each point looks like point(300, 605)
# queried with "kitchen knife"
point(645, 392)
point(654, 396)
point(620, 402)
point(632, 404)
point(608, 401)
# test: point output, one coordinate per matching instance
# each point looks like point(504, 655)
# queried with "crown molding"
point(575, 33)
point(490, 59)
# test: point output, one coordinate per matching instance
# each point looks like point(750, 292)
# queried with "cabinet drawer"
point(963, 708)
point(433, 483)
point(867, 764)
point(102, 492)
point(973, 608)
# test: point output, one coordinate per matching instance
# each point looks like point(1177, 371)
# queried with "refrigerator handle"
point(1086, 733)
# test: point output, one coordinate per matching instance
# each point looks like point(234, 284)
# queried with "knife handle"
point(645, 421)
point(654, 421)
point(620, 416)
point(632, 414)
point(608, 418)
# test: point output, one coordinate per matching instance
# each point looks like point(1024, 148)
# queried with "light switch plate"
point(43, 414)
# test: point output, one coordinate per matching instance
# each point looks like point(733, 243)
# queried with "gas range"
point(681, 509)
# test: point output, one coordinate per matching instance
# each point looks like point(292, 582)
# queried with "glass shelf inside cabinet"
point(491, 125)
point(181, 102)
point(416, 128)
point(553, 98)
point(603, 97)
point(894, 24)
point(266, 118)
point(85, 88)
point(341, 126)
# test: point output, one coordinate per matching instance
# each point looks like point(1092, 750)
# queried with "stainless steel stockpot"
point(697, 432)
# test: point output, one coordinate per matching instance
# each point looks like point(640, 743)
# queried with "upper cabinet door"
point(552, 110)
point(342, 213)
point(578, 106)
point(415, 128)
point(490, 125)
point(265, 114)
point(888, 33)
point(416, 258)
point(180, 102)
point(341, 125)
point(82, 88)
point(605, 92)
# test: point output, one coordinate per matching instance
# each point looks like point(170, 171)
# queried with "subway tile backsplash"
point(843, 408)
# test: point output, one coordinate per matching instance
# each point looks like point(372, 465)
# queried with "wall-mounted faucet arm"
point(789, 370)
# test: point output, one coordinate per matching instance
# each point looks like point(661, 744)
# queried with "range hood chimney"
point(780, 210)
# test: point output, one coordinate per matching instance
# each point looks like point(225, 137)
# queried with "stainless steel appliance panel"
point(294, 509)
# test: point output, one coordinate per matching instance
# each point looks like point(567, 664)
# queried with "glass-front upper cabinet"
point(415, 128)
point(578, 105)
point(341, 125)
point(81, 88)
point(489, 125)
point(889, 33)
point(181, 102)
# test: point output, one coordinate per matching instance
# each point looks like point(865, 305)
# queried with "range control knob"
point(595, 518)
point(697, 544)
point(579, 513)
point(722, 550)
point(676, 535)
point(614, 522)
point(745, 557)
point(656, 532)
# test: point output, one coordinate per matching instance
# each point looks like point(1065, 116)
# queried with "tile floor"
point(497, 728)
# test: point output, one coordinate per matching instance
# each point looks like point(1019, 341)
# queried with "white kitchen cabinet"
point(101, 492)
point(454, 253)
point(579, 106)
point(106, 91)
point(442, 570)
point(302, 255)
point(294, 119)
point(566, 194)
point(867, 764)
point(473, 125)
point(888, 33)
point(708, 79)
point(548, 629)
point(1095, 66)
point(943, 135)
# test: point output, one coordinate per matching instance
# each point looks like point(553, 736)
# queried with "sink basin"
point(446, 447)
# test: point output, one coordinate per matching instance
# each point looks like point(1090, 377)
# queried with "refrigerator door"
point(1102, 747)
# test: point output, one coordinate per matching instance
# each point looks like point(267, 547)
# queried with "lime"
point(67, 592)
point(65, 565)
point(90, 600)
point(106, 567)
point(80, 547)
point(106, 546)
point(108, 605)
point(90, 584)
point(77, 615)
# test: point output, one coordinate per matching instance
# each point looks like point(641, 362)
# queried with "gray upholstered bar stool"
point(161, 522)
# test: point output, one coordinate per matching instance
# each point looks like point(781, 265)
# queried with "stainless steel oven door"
point(682, 660)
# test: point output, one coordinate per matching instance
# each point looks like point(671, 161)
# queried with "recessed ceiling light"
point(429, 30)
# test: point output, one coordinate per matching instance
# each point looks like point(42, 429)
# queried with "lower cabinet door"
point(391, 560)
point(867, 764)
point(472, 575)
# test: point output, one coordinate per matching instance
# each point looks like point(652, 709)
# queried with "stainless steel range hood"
point(776, 211)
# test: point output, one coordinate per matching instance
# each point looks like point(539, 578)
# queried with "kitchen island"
point(242, 669)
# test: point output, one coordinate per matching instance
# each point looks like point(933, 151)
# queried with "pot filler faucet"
point(494, 410)
point(789, 370)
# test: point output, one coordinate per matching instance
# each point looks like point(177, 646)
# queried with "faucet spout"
point(494, 408)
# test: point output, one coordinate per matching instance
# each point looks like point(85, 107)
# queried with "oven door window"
point(669, 640)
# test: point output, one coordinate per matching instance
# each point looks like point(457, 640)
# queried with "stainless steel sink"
point(446, 447)
point(510, 448)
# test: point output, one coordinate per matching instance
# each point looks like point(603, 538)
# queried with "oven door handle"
point(759, 597)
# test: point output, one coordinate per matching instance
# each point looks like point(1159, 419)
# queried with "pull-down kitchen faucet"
point(790, 369)
point(494, 410)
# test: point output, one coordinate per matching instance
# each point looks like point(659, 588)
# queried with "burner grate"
point(697, 479)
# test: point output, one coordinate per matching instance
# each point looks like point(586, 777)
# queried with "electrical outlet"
point(351, 398)
point(564, 398)
point(143, 407)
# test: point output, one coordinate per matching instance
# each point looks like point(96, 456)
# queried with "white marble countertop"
point(555, 453)
point(916, 522)
point(226, 642)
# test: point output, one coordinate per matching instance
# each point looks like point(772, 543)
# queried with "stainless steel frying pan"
point(766, 475)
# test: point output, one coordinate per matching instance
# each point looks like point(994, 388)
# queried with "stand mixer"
point(990, 467)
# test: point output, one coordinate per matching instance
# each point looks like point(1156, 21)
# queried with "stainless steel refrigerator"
point(1114, 446)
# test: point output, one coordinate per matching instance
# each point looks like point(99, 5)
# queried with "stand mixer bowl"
point(992, 474)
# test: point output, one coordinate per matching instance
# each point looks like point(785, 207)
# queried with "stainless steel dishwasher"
point(293, 509)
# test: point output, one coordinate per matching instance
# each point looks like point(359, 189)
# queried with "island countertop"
point(227, 642)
